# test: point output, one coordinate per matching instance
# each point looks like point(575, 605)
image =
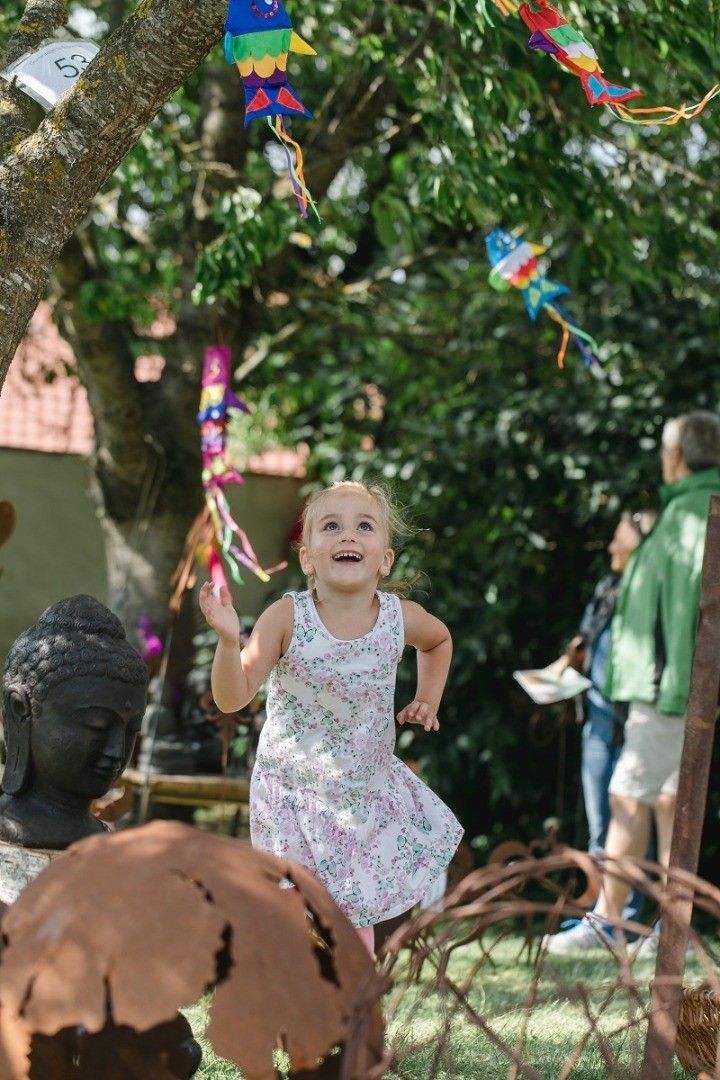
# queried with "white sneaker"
point(588, 936)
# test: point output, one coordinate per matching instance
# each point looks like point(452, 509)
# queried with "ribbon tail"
point(664, 115)
point(580, 337)
point(295, 168)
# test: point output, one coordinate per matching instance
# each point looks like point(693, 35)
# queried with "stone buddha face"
point(84, 736)
point(73, 701)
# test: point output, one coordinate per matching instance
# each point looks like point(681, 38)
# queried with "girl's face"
point(348, 542)
point(622, 545)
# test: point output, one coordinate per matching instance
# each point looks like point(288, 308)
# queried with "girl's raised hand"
point(220, 613)
point(419, 712)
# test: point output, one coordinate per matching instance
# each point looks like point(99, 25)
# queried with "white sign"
point(52, 69)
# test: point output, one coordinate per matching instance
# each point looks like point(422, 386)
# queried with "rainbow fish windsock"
point(258, 38)
point(553, 34)
point(514, 263)
point(229, 540)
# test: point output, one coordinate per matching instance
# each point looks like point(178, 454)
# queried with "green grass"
point(438, 1036)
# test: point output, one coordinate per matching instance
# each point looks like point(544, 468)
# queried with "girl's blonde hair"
point(391, 514)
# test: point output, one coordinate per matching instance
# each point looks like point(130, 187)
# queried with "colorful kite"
point(258, 38)
point(553, 34)
point(514, 262)
point(215, 400)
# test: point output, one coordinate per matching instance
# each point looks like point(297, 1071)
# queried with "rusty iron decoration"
point(130, 927)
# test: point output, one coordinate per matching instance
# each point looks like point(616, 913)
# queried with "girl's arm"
point(238, 674)
point(432, 640)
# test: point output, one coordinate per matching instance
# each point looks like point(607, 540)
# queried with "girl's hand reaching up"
point(419, 712)
point(220, 613)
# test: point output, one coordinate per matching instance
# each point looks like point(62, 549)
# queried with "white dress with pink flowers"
point(327, 789)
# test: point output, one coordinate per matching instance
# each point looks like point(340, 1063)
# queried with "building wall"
point(57, 549)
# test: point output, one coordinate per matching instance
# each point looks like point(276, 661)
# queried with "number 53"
point(71, 71)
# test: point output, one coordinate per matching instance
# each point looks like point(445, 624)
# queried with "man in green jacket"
point(652, 643)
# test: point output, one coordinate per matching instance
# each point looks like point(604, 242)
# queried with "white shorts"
point(649, 761)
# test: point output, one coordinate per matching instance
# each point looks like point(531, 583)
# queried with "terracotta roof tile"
point(43, 405)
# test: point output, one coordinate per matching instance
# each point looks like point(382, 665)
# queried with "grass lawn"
point(440, 1036)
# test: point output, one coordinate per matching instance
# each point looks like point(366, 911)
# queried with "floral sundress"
point(327, 789)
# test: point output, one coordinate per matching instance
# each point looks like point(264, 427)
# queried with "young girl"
point(327, 789)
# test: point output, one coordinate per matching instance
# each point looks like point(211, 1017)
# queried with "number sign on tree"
point(49, 71)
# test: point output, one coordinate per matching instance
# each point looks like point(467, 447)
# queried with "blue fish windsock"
point(514, 262)
point(258, 38)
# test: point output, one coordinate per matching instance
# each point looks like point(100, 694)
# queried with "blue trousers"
point(600, 751)
point(599, 756)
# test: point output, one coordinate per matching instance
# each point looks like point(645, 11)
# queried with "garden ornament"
point(222, 537)
point(129, 928)
point(74, 694)
point(553, 34)
point(258, 38)
point(514, 262)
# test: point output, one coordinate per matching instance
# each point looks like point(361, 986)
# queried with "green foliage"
point(516, 472)
point(387, 351)
point(249, 237)
point(9, 16)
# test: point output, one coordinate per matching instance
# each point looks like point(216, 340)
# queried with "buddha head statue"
point(74, 694)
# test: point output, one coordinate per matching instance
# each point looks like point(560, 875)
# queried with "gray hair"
point(697, 434)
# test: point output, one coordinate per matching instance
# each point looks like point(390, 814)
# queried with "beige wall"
point(56, 549)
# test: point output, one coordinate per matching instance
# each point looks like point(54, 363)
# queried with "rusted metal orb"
point(133, 926)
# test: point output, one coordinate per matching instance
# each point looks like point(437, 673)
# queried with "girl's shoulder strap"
point(304, 614)
point(390, 602)
point(391, 615)
point(301, 600)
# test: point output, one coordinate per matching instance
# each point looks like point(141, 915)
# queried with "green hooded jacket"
point(661, 592)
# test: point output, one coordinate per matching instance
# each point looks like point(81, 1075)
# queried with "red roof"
point(44, 406)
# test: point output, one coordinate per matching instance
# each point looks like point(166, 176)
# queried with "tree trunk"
point(141, 558)
point(147, 462)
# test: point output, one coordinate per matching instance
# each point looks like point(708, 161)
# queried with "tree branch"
point(19, 115)
point(40, 20)
point(48, 181)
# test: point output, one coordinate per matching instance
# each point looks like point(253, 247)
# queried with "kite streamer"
point(553, 34)
point(514, 263)
point(227, 538)
point(258, 38)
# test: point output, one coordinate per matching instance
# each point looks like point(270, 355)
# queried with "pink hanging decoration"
point(229, 540)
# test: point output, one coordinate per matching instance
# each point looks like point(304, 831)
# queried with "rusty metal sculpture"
point(485, 909)
point(133, 926)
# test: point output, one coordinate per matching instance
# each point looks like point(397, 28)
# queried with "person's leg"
point(599, 755)
point(367, 936)
point(386, 928)
point(627, 836)
point(664, 818)
point(636, 784)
